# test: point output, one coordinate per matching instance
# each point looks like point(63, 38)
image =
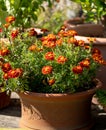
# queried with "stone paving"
point(10, 116)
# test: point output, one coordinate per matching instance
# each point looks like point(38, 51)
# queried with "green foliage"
point(51, 21)
point(24, 11)
point(93, 9)
point(101, 95)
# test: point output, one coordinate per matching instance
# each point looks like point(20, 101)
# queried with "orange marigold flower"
point(61, 59)
point(47, 70)
point(62, 33)
point(77, 69)
point(72, 40)
point(5, 76)
point(98, 58)
point(51, 81)
point(90, 39)
point(59, 42)
point(80, 42)
point(14, 34)
point(4, 52)
point(6, 67)
point(85, 63)
point(32, 32)
point(6, 25)
point(96, 51)
point(71, 33)
point(49, 44)
point(32, 47)
point(51, 37)
point(10, 19)
point(49, 56)
point(14, 73)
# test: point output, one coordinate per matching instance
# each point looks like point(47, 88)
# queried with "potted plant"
point(54, 77)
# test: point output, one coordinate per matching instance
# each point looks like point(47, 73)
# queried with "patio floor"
point(10, 116)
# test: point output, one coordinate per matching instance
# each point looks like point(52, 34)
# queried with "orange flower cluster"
point(72, 40)
point(53, 40)
point(97, 56)
point(6, 67)
point(80, 67)
point(68, 33)
point(9, 72)
point(13, 73)
point(49, 41)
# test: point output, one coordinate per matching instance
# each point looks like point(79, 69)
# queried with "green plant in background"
point(50, 18)
point(24, 11)
point(53, 23)
point(101, 95)
point(93, 9)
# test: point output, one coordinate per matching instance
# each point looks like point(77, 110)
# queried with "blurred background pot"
point(84, 29)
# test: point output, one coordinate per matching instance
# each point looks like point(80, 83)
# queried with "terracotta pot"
point(100, 43)
point(56, 111)
point(85, 29)
point(4, 99)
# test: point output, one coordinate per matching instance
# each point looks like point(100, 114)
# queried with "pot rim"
point(99, 40)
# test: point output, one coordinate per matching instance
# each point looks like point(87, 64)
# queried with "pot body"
point(4, 99)
point(56, 111)
point(85, 29)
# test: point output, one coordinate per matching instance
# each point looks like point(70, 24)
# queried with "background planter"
point(4, 99)
point(84, 29)
point(56, 111)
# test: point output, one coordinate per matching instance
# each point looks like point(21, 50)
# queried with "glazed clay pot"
point(56, 111)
